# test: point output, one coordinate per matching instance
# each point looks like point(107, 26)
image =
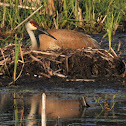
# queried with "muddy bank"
point(45, 84)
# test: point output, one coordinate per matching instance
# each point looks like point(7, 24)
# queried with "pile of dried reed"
point(79, 65)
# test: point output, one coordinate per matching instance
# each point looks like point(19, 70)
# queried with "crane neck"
point(33, 39)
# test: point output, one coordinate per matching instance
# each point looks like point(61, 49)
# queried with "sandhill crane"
point(61, 38)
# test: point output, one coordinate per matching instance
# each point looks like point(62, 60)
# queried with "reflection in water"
point(35, 101)
point(25, 109)
point(55, 108)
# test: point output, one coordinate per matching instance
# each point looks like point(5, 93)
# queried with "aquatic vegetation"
point(16, 59)
point(103, 102)
point(17, 48)
point(112, 20)
point(91, 14)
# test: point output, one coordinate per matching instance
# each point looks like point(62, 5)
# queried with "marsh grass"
point(109, 25)
point(113, 19)
point(93, 12)
point(65, 8)
point(17, 50)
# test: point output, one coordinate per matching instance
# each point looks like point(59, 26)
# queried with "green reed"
point(113, 18)
point(88, 7)
point(65, 8)
point(109, 25)
point(17, 50)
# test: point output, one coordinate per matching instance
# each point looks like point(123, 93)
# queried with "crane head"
point(32, 25)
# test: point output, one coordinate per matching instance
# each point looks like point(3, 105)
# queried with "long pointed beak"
point(45, 32)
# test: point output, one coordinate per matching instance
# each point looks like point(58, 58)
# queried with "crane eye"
point(34, 23)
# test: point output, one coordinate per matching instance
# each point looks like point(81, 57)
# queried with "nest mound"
point(66, 63)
